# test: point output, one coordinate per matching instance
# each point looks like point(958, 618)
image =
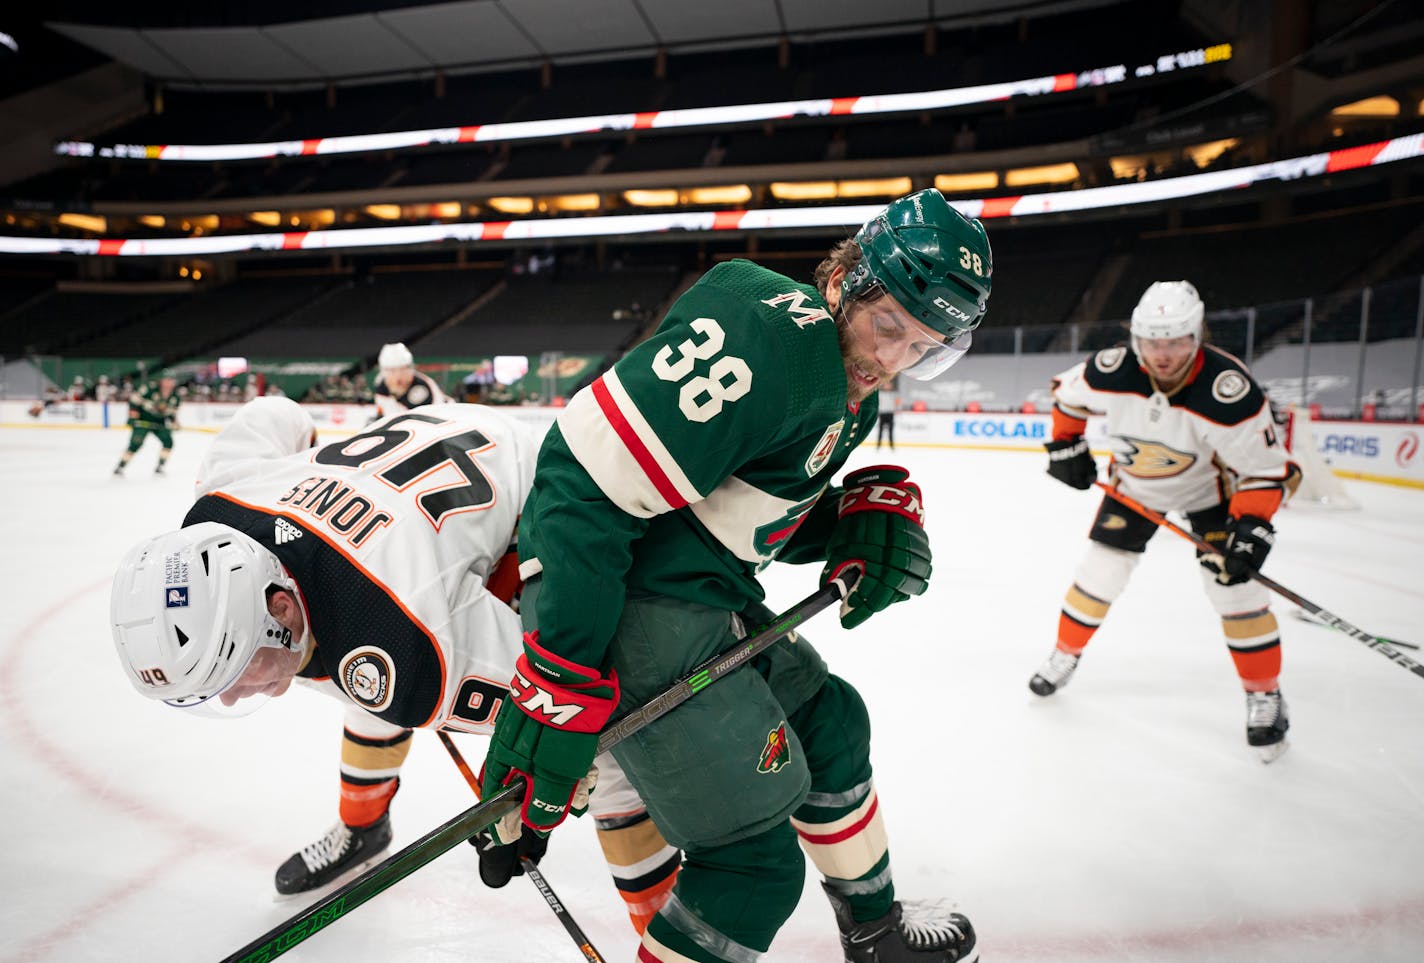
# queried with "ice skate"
point(1266, 724)
point(917, 932)
point(1053, 674)
point(340, 853)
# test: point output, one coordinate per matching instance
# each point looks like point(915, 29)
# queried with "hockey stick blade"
point(1328, 618)
point(447, 836)
point(1309, 619)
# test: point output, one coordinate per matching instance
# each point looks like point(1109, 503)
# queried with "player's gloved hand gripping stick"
point(502, 865)
point(1379, 645)
point(440, 840)
point(880, 532)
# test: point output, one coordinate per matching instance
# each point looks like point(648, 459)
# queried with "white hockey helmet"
point(188, 611)
point(1168, 309)
point(394, 356)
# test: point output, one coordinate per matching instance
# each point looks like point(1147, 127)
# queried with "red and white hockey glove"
point(881, 531)
point(548, 731)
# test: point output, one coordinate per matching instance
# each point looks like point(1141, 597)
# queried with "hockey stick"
point(1329, 618)
point(1309, 619)
point(447, 836)
point(585, 946)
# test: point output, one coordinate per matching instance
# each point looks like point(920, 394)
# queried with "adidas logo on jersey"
point(286, 532)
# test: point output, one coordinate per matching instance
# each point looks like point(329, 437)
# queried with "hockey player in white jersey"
point(1191, 432)
point(378, 568)
point(399, 387)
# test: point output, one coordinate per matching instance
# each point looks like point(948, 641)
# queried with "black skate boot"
point(1054, 674)
point(344, 849)
point(1266, 724)
point(919, 932)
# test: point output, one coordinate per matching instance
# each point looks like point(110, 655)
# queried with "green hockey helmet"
point(931, 258)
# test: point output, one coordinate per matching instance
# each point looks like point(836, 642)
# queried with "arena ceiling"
point(268, 47)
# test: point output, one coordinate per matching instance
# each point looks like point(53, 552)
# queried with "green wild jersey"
point(697, 460)
point(150, 408)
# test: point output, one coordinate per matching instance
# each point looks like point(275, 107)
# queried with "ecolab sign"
point(1010, 427)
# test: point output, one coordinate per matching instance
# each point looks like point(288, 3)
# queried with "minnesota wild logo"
point(777, 752)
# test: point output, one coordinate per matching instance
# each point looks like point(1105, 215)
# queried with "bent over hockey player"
point(375, 569)
point(706, 453)
point(1191, 432)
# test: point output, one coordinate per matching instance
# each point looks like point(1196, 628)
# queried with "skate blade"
point(1269, 754)
point(331, 886)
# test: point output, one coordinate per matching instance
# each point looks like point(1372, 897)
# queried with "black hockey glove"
point(499, 864)
point(1247, 545)
point(1071, 463)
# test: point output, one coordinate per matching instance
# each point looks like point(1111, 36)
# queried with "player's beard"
point(852, 359)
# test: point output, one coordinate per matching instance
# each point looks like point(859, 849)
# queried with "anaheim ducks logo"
point(1110, 360)
point(1152, 459)
point(368, 675)
point(1230, 386)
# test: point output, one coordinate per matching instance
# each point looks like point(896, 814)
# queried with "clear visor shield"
point(916, 352)
point(936, 357)
point(269, 671)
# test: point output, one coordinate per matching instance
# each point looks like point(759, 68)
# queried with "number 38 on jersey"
point(701, 397)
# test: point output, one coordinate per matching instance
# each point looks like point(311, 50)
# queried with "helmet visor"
point(268, 673)
point(939, 357)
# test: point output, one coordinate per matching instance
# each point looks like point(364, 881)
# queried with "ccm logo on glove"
point(544, 704)
point(880, 498)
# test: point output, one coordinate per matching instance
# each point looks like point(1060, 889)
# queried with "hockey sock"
point(1254, 640)
point(729, 900)
point(643, 865)
point(845, 838)
point(1081, 617)
point(370, 775)
point(839, 824)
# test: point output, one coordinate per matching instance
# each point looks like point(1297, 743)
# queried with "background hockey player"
point(704, 454)
point(399, 387)
point(153, 410)
point(373, 568)
point(1193, 433)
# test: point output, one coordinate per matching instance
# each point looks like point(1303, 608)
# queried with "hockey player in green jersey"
point(703, 455)
point(153, 409)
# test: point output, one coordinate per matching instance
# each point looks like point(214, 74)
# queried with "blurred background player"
point(373, 580)
point(885, 424)
point(153, 409)
point(704, 454)
point(1191, 432)
point(399, 387)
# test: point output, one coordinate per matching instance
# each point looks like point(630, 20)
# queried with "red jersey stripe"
point(635, 446)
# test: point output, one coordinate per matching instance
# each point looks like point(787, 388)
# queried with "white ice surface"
point(1123, 819)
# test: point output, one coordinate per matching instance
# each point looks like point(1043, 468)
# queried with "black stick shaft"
point(585, 945)
point(1329, 618)
point(447, 836)
point(545, 890)
point(1309, 619)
